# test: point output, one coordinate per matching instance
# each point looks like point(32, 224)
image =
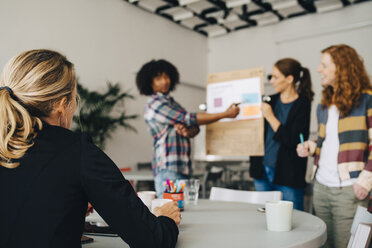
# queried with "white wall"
point(302, 38)
point(111, 39)
point(108, 40)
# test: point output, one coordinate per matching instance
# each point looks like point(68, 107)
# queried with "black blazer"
point(290, 169)
point(44, 200)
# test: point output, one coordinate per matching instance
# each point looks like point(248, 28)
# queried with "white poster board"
point(244, 135)
point(246, 92)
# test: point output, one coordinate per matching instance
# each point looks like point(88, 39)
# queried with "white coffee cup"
point(158, 203)
point(279, 215)
point(147, 197)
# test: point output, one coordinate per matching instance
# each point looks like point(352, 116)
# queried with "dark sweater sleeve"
point(113, 197)
point(288, 134)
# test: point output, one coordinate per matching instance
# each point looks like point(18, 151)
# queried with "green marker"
point(302, 139)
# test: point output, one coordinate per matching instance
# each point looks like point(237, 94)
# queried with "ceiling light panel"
point(184, 2)
point(235, 24)
point(214, 30)
point(235, 3)
point(151, 5)
point(191, 23)
point(238, 10)
point(283, 4)
point(251, 7)
point(291, 10)
point(265, 19)
point(218, 17)
point(327, 5)
point(230, 18)
point(178, 13)
point(200, 6)
point(216, 14)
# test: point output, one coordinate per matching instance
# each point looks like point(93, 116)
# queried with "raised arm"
point(206, 118)
point(161, 110)
point(268, 114)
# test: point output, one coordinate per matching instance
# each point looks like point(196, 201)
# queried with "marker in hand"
point(302, 139)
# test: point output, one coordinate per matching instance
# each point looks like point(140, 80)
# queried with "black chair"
point(145, 185)
point(144, 166)
point(212, 177)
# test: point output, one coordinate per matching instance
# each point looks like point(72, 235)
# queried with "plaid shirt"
point(171, 151)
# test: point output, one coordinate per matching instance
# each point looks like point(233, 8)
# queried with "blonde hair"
point(37, 79)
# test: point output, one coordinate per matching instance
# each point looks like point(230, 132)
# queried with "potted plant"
point(100, 114)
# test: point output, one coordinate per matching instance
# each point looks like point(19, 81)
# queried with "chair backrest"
point(361, 216)
point(213, 174)
point(255, 197)
point(362, 237)
point(144, 166)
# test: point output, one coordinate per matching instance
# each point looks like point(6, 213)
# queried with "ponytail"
point(17, 129)
point(304, 87)
point(301, 76)
point(35, 80)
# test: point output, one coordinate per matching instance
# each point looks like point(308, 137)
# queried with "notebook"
point(86, 240)
point(92, 229)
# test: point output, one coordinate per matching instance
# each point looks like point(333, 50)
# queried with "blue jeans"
point(295, 195)
point(162, 176)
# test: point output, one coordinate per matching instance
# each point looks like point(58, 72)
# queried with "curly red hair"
point(351, 79)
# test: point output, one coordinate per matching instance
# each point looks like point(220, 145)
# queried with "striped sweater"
point(355, 137)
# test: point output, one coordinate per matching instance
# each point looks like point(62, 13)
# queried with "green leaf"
point(102, 113)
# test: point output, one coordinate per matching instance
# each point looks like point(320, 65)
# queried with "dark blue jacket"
point(290, 169)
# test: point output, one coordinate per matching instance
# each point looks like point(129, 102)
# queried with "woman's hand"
point(232, 111)
point(303, 150)
point(181, 129)
point(268, 114)
point(267, 111)
point(89, 209)
point(170, 210)
point(184, 131)
point(360, 192)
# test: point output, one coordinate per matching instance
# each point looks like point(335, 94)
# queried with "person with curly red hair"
point(343, 158)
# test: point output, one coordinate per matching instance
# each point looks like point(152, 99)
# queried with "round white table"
point(231, 224)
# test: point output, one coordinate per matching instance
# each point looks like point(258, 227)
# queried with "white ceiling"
point(220, 17)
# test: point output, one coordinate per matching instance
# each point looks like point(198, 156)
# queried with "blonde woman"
point(48, 173)
point(343, 159)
